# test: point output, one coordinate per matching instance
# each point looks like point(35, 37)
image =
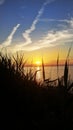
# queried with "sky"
point(37, 28)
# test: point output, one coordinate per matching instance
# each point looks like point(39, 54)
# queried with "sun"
point(38, 63)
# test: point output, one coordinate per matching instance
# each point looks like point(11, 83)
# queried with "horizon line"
point(34, 65)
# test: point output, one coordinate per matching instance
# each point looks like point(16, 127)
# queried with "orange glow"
point(37, 63)
point(49, 56)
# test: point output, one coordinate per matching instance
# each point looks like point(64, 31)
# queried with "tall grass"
point(63, 81)
point(58, 66)
point(66, 69)
point(59, 81)
point(43, 70)
point(12, 71)
point(27, 103)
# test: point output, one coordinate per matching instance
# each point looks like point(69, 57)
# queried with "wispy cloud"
point(27, 32)
point(54, 37)
point(2, 2)
point(56, 20)
point(8, 41)
point(51, 39)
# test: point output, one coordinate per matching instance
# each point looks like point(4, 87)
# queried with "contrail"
point(27, 32)
point(8, 41)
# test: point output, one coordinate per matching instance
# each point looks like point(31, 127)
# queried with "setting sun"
point(37, 62)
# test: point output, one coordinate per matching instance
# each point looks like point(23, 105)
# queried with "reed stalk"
point(43, 70)
point(66, 68)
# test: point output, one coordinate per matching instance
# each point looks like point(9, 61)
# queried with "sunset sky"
point(38, 28)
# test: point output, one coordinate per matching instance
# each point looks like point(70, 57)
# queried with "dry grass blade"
point(58, 66)
point(66, 74)
point(69, 52)
point(43, 70)
point(66, 68)
point(19, 62)
point(71, 86)
point(57, 63)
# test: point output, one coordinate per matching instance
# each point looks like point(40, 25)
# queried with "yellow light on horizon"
point(38, 62)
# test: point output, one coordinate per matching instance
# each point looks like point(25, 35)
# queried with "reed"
point(43, 70)
point(29, 103)
point(16, 66)
point(58, 70)
point(66, 74)
point(66, 68)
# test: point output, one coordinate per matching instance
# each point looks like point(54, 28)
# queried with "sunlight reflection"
point(38, 75)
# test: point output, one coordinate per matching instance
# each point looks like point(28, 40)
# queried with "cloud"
point(62, 22)
point(51, 39)
point(55, 36)
point(2, 2)
point(27, 32)
point(54, 20)
point(8, 41)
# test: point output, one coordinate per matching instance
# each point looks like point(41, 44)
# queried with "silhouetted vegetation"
point(26, 104)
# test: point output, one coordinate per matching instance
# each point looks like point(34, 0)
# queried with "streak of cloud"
point(8, 41)
point(68, 21)
point(27, 32)
point(51, 39)
point(54, 20)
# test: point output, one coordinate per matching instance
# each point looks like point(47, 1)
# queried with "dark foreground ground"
point(35, 108)
point(25, 105)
